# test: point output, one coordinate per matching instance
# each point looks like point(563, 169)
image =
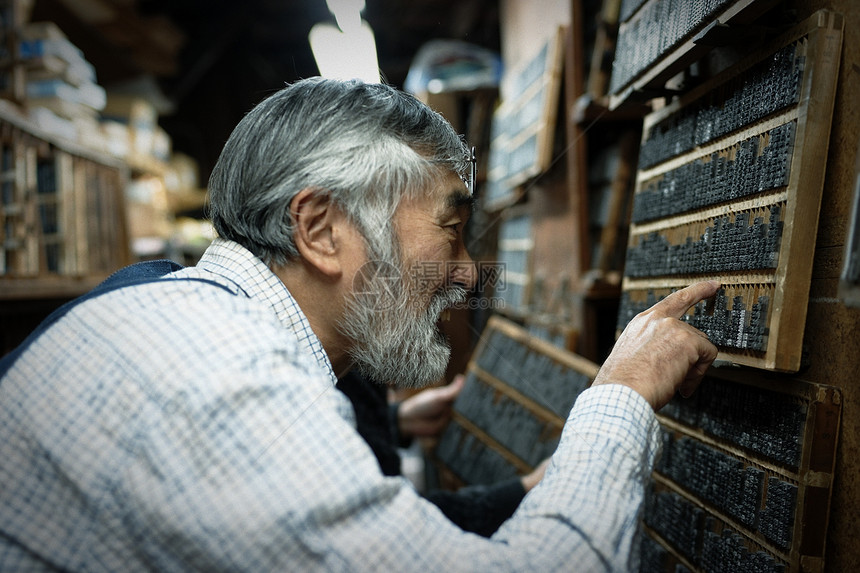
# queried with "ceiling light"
point(348, 50)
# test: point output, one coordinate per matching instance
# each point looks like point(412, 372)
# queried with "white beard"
point(394, 333)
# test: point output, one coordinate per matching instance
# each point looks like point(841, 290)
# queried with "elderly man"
point(190, 421)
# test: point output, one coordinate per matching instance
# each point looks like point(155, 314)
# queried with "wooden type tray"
point(523, 126)
point(673, 59)
point(62, 211)
point(818, 44)
point(801, 545)
point(521, 389)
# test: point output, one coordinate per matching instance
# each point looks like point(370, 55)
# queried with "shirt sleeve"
point(594, 487)
point(303, 492)
point(477, 508)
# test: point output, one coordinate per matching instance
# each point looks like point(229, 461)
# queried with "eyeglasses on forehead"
point(473, 172)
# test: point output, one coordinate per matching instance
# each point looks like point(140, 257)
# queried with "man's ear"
point(315, 232)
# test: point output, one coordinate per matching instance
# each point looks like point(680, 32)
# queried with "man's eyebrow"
point(458, 198)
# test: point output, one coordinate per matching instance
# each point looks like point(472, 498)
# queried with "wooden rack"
point(636, 76)
point(758, 483)
point(806, 125)
point(62, 209)
point(523, 127)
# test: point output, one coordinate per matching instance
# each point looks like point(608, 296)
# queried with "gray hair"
point(364, 145)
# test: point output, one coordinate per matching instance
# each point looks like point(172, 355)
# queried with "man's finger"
point(680, 301)
point(707, 354)
point(452, 390)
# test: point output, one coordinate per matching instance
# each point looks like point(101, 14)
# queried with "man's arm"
point(611, 438)
point(250, 461)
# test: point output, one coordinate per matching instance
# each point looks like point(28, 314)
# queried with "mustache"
point(446, 297)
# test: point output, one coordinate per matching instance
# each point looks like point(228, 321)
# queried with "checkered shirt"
point(176, 426)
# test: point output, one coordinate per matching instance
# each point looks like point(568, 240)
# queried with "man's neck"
point(321, 303)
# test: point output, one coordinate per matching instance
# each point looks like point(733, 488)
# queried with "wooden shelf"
point(651, 81)
point(56, 287)
point(63, 224)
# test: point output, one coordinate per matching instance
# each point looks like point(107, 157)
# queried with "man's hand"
point(658, 354)
point(533, 478)
point(426, 413)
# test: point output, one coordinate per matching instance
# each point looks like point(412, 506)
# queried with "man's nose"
point(464, 273)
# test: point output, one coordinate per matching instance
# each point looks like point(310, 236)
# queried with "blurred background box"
point(139, 115)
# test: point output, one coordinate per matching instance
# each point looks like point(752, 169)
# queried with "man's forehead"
point(447, 193)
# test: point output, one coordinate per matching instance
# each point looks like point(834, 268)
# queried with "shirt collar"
point(250, 276)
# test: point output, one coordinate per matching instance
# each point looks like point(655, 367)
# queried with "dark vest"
point(135, 274)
